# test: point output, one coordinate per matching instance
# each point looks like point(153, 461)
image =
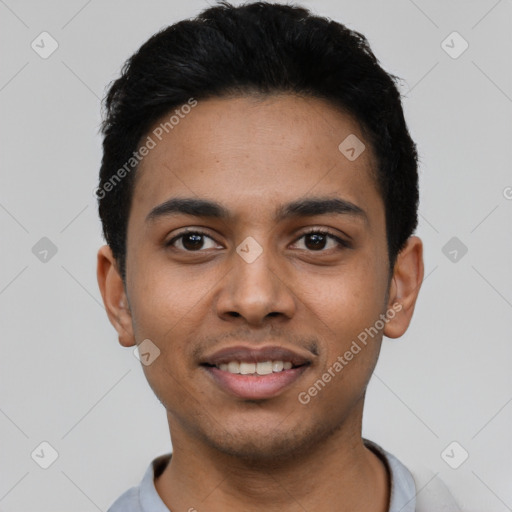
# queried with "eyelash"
point(342, 244)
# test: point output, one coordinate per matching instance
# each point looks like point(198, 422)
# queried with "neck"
point(340, 475)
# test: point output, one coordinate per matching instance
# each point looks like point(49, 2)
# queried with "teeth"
point(260, 368)
point(233, 367)
point(247, 368)
point(277, 366)
point(264, 368)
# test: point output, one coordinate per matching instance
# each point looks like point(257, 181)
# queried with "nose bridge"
point(252, 275)
point(252, 264)
point(253, 290)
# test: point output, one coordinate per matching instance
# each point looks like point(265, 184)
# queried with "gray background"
point(64, 378)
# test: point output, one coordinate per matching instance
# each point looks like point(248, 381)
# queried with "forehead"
point(238, 150)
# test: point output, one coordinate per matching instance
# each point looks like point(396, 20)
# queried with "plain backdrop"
point(66, 381)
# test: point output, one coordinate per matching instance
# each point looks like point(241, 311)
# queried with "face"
point(254, 244)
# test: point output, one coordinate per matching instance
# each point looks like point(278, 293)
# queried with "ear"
point(114, 296)
point(405, 286)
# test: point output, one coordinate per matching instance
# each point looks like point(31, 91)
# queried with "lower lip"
point(255, 387)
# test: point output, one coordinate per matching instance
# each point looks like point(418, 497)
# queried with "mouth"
point(255, 374)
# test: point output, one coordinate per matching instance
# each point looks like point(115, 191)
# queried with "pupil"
point(318, 241)
point(197, 241)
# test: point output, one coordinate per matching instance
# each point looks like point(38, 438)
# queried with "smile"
point(255, 381)
point(255, 373)
point(260, 368)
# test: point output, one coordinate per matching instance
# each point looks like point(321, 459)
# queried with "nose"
point(255, 291)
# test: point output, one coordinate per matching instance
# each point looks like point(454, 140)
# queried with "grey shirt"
point(404, 498)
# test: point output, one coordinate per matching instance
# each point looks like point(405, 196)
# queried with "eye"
point(318, 240)
point(192, 241)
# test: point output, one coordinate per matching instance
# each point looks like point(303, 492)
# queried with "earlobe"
point(114, 296)
point(405, 286)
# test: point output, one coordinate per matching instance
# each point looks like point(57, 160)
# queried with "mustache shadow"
point(279, 338)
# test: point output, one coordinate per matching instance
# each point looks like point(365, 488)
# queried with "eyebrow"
point(300, 208)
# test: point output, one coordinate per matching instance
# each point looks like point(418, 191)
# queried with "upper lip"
point(255, 355)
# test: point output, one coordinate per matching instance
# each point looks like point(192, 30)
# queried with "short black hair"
point(257, 48)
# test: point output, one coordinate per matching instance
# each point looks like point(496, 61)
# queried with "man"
point(258, 194)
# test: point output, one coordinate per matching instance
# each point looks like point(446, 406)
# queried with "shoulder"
point(143, 497)
point(417, 489)
point(432, 492)
point(128, 502)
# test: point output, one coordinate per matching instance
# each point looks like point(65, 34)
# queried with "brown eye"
point(318, 240)
point(192, 241)
point(315, 241)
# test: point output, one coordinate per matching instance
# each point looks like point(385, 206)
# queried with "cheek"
point(166, 312)
point(346, 302)
point(343, 309)
point(169, 305)
point(161, 311)
point(164, 298)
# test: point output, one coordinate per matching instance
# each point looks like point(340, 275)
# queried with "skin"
point(254, 155)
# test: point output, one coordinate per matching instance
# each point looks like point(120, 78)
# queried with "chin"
point(255, 449)
point(268, 446)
